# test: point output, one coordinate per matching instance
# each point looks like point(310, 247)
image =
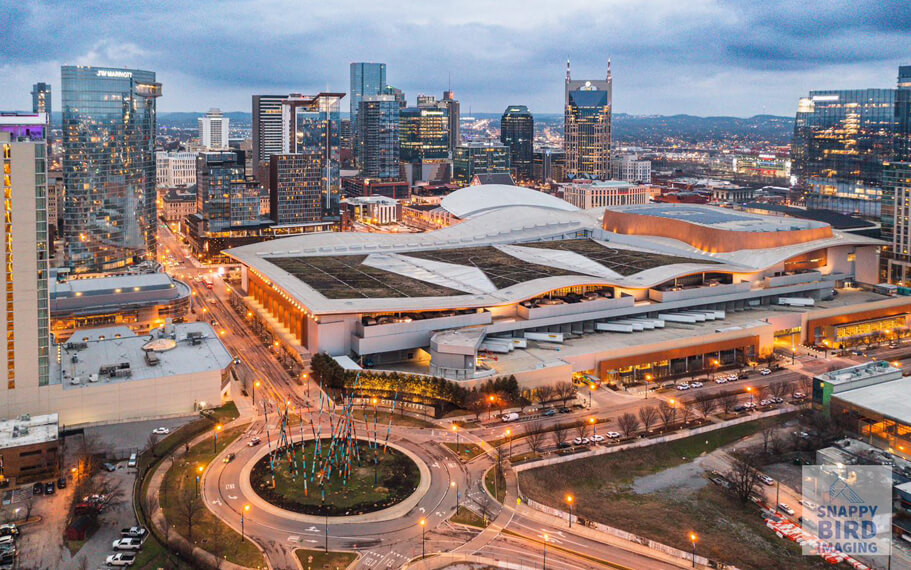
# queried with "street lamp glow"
point(692, 537)
point(246, 508)
point(569, 498)
point(423, 522)
point(591, 420)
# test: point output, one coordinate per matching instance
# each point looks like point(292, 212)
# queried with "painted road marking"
point(294, 538)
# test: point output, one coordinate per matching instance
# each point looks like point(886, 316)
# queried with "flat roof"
point(859, 372)
point(101, 285)
point(719, 218)
point(887, 398)
point(89, 351)
point(28, 430)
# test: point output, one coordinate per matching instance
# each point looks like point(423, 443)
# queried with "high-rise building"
point(213, 130)
point(629, 168)
point(295, 188)
point(549, 164)
point(903, 115)
point(109, 132)
point(366, 79)
point(455, 115)
point(587, 126)
point(41, 99)
point(424, 133)
point(841, 140)
point(378, 136)
point(175, 169)
point(223, 198)
point(24, 240)
point(479, 158)
point(895, 260)
point(517, 131)
point(267, 130)
point(397, 93)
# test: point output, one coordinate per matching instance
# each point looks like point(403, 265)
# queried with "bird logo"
point(840, 489)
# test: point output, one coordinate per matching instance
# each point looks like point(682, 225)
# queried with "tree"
point(582, 429)
point(768, 433)
point(684, 409)
point(189, 508)
point(29, 504)
point(535, 434)
point(743, 476)
point(705, 403)
point(559, 434)
point(628, 424)
point(806, 385)
point(217, 545)
point(476, 406)
point(151, 442)
point(778, 389)
point(648, 415)
point(727, 400)
point(667, 413)
point(564, 391)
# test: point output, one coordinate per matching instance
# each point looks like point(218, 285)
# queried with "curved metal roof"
point(475, 200)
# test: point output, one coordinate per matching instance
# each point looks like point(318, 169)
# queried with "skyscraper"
point(895, 261)
point(587, 126)
point(841, 140)
point(267, 130)
point(41, 99)
point(23, 237)
point(366, 79)
point(517, 131)
point(295, 188)
point(479, 158)
point(223, 198)
point(903, 115)
point(109, 166)
point(378, 136)
point(213, 130)
point(424, 133)
point(455, 115)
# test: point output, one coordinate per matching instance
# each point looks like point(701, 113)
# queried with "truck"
point(126, 544)
point(120, 559)
point(134, 532)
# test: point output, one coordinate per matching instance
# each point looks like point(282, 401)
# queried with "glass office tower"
point(424, 133)
point(109, 166)
point(841, 140)
point(378, 137)
point(903, 115)
point(517, 131)
point(587, 126)
point(41, 99)
point(366, 79)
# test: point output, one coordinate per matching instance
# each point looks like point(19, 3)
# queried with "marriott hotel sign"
point(114, 73)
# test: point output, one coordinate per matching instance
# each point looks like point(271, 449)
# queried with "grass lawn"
point(366, 489)
point(466, 451)
point(153, 555)
point(498, 488)
point(728, 531)
point(74, 546)
point(317, 559)
point(382, 420)
point(468, 517)
point(207, 526)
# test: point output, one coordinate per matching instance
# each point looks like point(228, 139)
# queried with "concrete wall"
point(698, 292)
point(573, 308)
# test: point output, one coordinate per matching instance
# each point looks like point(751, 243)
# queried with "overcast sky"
point(703, 57)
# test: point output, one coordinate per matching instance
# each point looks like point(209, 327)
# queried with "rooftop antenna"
point(567, 69)
point(450, 82)
point(608, 70)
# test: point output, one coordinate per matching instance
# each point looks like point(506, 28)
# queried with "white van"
point(510, 417)
point(132, 461)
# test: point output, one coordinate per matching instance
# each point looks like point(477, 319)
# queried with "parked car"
point(161, 431)
point(766, 479)
point(765, 402)
point(721, 380)
point(132, 461)
point(785, 508)
point(777, 400)
point(134, 532)
point(510, 417)
point(740, 408)
point(254, 441)
point(565, 410)
point(61, 483)
point(581, 441)
point(683, 387)
point(109, 467)
point(563, 445)
point(765, 371)
point(121, 559)
point(229, 457)
point(597, 438)
point(549, 412)
point(807, 504)
point(9, 530)
point(696, 385)
point(49, 488)
point(37, 489)
point(798, 395)
point(126, 544)
point(613, 435)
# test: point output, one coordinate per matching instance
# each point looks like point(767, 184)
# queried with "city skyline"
point(726, 58)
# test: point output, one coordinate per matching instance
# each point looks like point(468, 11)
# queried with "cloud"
point(701, 56)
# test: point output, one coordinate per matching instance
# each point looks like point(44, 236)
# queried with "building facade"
point(424, 133)
point(367, 79)
point(175, 169)
point(267, 130)
point(295, 188)
point(223, 196)
point(175, 204)
point(374, 210)
point(378, 136)
point(600, 194)
point(903, 115)
point(479, 158)
point(517, 131)
point(549, 165)
point(30, 448)
point(629, 168)
point(841, 140)
point(895, 226)
point(453, 108)
point(23, 158)
point(41, 99)
point(109, 128)
point(213, 130)
point(587, 126)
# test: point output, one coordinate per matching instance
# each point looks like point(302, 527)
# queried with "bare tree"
point(582, 429)
point(559, 434)
point(476, 406)
point(535, 435)
point(564, 391)
point(151, 443)
point(217, 545)
point(743, 476)
point(29, 504)
point(628, 424)
point(685, 409)
point(778, 389)
point(806, 385)
point(706, 404)
point(544, 394)
point(768, 433)
point(667, 413)
point(648, 415)
point(189, 508)
point(727, 400)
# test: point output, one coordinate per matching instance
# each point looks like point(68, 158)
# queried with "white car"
point(766, 402)
point(696, 385)
point(766, 479)
point(732, 377)
point(581, 441)
point(720, 380)
point(161, 431)
point(597, 438)
point(683, 387)
point(785, 508)
point(127, 544)
point(798, 395)
point(765, 371)
point(809, 504)
point(613, 434)
point(120, 559)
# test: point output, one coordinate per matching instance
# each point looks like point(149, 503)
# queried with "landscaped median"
point(319, 559)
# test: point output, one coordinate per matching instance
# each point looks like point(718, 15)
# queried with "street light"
point(693, 541)
point(199, 470)
point(456, 487)
point(455, 428)
point(569, 499)
point(544, 563)
point(509, 435)
point(490, 399)
point(591, 390)
point(648, 378)
point(245, 510)
point(750, 390)
point(255, 386)
point(423, 528)
point(215, 444)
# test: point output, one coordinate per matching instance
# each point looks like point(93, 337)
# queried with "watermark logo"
point(848, 510)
